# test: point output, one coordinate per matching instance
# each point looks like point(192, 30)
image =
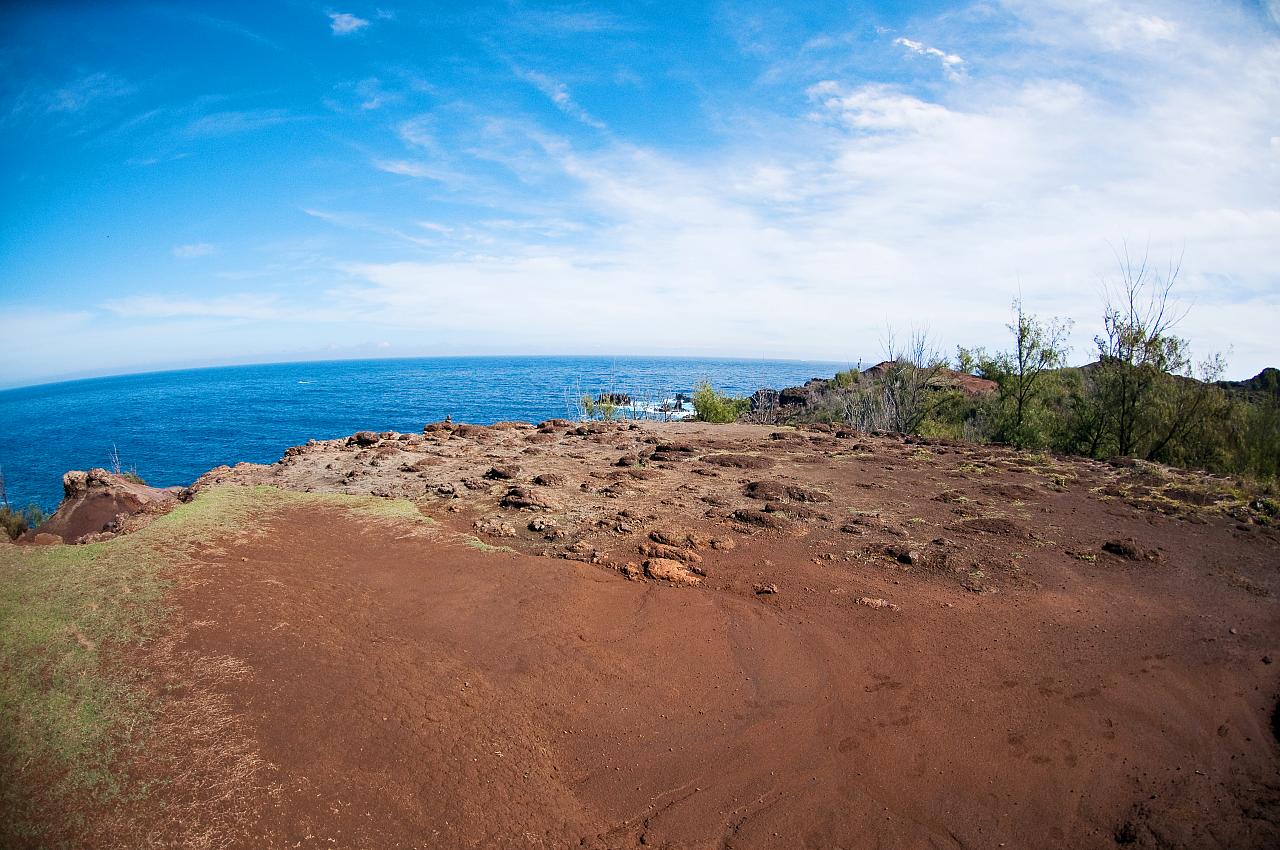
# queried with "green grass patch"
point(476, 543)
point(73, 708)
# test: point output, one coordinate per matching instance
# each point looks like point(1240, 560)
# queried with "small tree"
point(1135, 351)
point(712, 405)
point(1039, 347)
point(904, 382)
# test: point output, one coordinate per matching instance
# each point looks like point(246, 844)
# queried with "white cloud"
point(343, 23)
point(372, 95)
point(241, 306)
point(952, 65)
point(79, 94)
point(854, 204)
point(558, 93)
point(234, 122)
point(196, 249)
point(408, 168)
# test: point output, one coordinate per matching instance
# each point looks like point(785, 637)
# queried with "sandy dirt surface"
point(693, 636)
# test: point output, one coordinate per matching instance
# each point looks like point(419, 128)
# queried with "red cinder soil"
point(929, 648)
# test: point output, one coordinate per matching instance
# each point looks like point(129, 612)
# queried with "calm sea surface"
point(173, 426)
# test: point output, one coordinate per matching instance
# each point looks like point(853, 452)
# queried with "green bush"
point(712, 405)
point(846, 379)
point(15, 522)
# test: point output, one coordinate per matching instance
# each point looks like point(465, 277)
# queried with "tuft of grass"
point(476, 543)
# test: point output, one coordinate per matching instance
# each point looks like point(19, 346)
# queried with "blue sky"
point(191, 185)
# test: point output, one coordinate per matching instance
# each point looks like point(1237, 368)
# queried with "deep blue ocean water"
point(173, 426)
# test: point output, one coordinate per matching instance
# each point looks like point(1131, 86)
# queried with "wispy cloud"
point(372, 95)
point(244, 306)
point(79, 95)
point(408, 168)
point(558, 93)
point(570, 21)
point(343, 23)
point(952, 65)
point(232, 122)
point(193, 250)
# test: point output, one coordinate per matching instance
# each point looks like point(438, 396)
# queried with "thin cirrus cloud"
point(233, 122)
point(558, 93)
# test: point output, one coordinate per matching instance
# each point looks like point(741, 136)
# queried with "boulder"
point(364, 439)
point(528, 498)
point(97, 501)
point(665, 569)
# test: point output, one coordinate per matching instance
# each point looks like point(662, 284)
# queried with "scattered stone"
point(1129, 549)
point(723, 544)
point(665, 569)
point(904, 555)
point(761, 519)
point(877, 603)
point(503, 473)
point(976, 584)
point(676, 448)
point(631, 570)
point(768, 491)
point(526, 498)
point(739, 461)
point(992, 525)
point(363, 439)
point(765, 589)
point(548, 479)
point(801, 494)
point(542, 524)
point(670, 553)
point(668, 537)
point(495, 527)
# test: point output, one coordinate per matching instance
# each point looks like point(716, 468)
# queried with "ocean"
point(173, 426)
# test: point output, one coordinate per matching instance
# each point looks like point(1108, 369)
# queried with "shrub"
point(15, 522)
point(712, 405)
point(846, 379)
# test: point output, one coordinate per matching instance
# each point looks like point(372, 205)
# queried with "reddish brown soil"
point(1028, 690)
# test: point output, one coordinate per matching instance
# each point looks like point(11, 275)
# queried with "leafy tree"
point(1136, 349)
point(1039, 348)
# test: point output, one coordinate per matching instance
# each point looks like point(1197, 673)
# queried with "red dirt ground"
point(410, 690)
